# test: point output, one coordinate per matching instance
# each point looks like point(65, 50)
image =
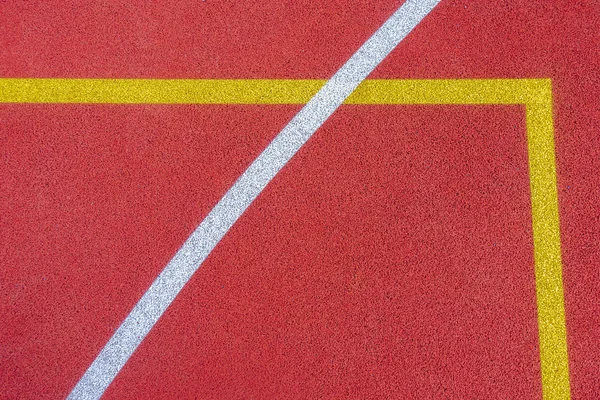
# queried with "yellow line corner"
point(535, 94)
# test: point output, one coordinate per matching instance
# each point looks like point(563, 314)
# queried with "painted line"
point(158, 91)
point(547, 249)
point(266, 91)
point(251, 183)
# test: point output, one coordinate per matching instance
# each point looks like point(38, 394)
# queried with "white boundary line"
point(234, 203)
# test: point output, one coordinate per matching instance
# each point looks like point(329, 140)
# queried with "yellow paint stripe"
point(265, 91)
point(158, 91)
point(536, 94)
point(547, 252)
point(447, 91)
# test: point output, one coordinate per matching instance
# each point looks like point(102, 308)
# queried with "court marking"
point(240, 196)
point(266, 91)
point(535, 94)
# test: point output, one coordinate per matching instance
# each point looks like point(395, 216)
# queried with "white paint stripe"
point(250, 184)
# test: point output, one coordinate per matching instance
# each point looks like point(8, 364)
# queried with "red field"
point(391, 258)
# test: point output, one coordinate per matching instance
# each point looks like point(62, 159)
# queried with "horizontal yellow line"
point(158, 91)
point(269, 91)
point(451, 91)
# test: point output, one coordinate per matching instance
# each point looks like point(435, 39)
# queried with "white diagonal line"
point(249, 185)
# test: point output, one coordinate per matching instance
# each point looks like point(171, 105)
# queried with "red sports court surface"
point(391, 258)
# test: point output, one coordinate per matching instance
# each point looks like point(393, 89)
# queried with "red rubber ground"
point(391, 258)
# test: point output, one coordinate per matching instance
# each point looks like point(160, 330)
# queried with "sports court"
point(234, 200)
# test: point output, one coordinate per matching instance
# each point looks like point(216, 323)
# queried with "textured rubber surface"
point(315, 291)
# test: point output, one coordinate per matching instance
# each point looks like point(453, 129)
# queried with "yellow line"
point(158, 91)
point(535, 94)
point(447, 91)
point(265, 91)
point(547, 253)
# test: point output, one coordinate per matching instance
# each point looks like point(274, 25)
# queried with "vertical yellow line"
point(547, 253)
